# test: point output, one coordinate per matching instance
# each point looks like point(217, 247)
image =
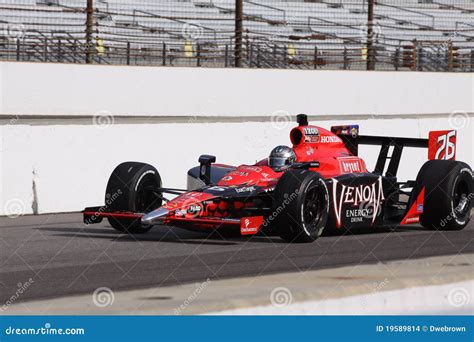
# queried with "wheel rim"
point(147, 198)
point(461, 199)
point(312, 207)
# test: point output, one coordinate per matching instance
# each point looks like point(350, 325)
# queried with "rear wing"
point(440, 145)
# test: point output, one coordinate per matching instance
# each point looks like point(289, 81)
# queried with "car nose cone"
point(156, 216)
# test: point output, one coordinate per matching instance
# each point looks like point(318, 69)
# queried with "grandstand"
point(432, 35)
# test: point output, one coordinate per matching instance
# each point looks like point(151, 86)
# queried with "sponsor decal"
point(187, 199)
point(415, 219)
point(237, 173)
point(352, 130)
point(248, 230)
point(309, 151)
point(350, 165)
point(311, 131)
point(190, 208)
point(180, 212)
point(245, 189)
point(365, 200)
point(252, 168)
point(355, 131)
point(325, 139)
point(413, 214)
point(217, 188)
point(311, 134)
point(311, 138)
point(194, 209)
point(357, 215)
point(250, 225)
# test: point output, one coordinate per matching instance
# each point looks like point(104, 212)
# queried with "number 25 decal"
point(442, 145)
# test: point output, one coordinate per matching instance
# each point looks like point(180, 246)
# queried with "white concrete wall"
point(70, 164)
point(57, 166)
point(67, 89)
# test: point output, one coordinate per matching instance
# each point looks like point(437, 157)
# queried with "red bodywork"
point(322, 146)
point(209, 209)
point(310, 143)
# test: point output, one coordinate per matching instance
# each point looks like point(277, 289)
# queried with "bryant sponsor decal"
point(363, 200)
point(350, 165)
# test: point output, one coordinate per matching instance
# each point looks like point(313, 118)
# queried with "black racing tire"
point(448, 194)
point(131, 189)
point(300, 206)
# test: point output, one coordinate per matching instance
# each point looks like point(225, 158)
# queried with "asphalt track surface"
point(64, 257)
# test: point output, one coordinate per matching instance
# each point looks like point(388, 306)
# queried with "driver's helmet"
point(281, 158)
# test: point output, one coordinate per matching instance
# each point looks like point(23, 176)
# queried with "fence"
point(331, 34)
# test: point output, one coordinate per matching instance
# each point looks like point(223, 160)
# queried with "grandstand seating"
point(317, 29)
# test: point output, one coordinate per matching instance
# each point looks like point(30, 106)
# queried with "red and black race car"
point(296, 193)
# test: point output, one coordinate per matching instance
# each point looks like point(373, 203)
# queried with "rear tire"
point(300, 206)
point(448, 194)
point(130, 189)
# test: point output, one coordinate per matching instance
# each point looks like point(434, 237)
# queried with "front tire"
point(132, 188)
point(300, 206)
point(448, 194)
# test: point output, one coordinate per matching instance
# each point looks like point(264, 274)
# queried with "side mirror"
point(205, 162)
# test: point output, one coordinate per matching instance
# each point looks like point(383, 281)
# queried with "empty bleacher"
point(433, 35)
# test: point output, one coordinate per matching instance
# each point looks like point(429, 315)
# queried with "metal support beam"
point(239, 16)
point(394, 161)
point(370, 36)
point(89, 31)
